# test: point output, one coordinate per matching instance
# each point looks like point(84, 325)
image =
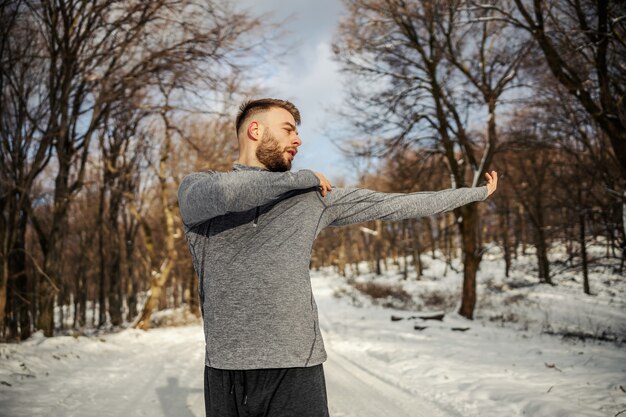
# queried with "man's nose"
point(296, 141)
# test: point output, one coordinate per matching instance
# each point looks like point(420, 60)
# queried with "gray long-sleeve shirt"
point(250, 233)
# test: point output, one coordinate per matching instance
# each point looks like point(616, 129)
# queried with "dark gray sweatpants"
point(282, 392)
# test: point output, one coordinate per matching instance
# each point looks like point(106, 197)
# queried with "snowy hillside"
point(519, 301)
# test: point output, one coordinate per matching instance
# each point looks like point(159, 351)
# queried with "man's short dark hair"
point(251, 107)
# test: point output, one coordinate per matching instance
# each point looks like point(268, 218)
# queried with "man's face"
point(279, 141)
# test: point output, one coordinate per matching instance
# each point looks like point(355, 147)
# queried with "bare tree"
point(24, 154)
point(584, 46)
point(529, 164)
point(120, 146)
point(94, 57)
point(425, 67)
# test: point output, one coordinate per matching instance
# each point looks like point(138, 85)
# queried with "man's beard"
point(270, 154)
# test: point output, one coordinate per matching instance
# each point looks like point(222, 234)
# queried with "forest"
point(107, 104)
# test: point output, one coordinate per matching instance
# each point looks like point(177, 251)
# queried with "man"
point(250, 232)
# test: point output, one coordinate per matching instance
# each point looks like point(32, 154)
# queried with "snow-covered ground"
point(130, 373)
point(513, 359)
point(533, 349)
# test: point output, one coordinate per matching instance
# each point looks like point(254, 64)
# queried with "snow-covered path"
point(132, 373)
point(354, 392)
point(159, 373)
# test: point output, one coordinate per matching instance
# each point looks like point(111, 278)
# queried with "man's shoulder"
point(208, 173)
point(204, 173)
point(194, 178)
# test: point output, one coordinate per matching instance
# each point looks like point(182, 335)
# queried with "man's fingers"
point(492, 182)
point(325, 188)
point(324, 184)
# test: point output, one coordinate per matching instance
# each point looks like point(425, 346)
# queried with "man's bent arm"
point(205, 195)
point(355, 205)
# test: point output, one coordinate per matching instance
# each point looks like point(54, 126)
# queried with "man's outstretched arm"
point(205, 195)
point(349, 206)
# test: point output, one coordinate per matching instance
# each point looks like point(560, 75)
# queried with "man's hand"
point(324, 184)
point(492, 182)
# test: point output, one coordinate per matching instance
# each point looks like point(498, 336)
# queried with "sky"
point(309, 78)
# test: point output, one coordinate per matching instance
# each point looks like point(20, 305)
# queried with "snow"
point(516, 359)
point(486, 371)
point(512, 361)
point(130, 373)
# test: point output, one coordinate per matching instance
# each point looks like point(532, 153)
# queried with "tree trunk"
point(80, 298)
point(161, 276)
point(621, 265)
point(60, 307)
point(81, 291)
point(583, 252)
point(471, 257)
point(131, 298)
point(156, 289)
point(504, 228)
point(114, 269)
point(4, 306)
point(416, 246)
point(354, 257)
point(432, 236)
point(103, 254)
point(45, 318)
point(405, 251)
point(130, 229)
point(51, 242)
point(543, 264)
point(18, 274)
point(93, 309)
point(521, 237)
point(378, 247)
point(15, 298)
point(10, 320)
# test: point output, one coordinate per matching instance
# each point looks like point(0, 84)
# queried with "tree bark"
point(114, 262)
point(378, 247)
point(504, 230)
point(470, 235)
point(543, 263)
point(417, 248)
point(161, 276)
point(583, 253)
point(102, 275)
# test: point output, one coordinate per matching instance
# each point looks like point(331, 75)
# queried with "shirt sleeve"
point(205, 195)
point(346, 206)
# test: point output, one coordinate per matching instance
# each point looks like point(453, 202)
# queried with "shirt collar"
point(242, 167)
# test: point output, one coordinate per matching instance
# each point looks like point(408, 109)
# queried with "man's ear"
point(255, 130)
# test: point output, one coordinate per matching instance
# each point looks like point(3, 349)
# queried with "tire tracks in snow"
point(356, 390)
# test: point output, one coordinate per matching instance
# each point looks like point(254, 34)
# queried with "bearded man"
point(250, 232)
